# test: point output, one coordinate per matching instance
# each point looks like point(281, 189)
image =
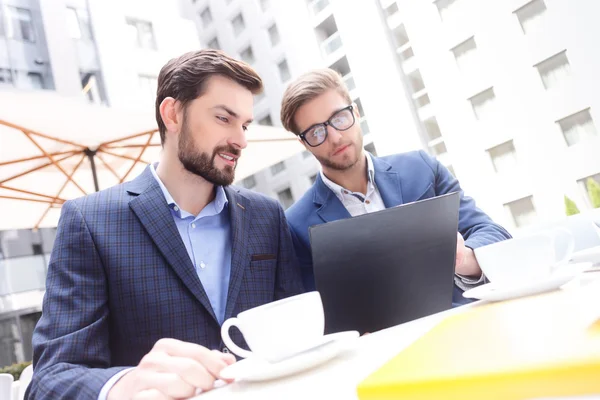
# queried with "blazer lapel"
point(388, 183)
point(151, 208)
point(239, 209)
point(331, 208)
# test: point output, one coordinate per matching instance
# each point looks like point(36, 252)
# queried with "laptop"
point(388, 267)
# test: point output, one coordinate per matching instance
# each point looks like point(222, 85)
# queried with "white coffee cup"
point(279, 329)
point(527, 258)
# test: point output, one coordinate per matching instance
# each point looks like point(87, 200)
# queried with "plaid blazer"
point(120, 279)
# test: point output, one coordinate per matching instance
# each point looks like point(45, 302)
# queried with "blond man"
point(318, 109)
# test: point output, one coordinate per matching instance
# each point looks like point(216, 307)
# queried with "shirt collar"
point(338, 190)
point(218, 204)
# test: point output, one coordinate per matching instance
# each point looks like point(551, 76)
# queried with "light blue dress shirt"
point(207, 239)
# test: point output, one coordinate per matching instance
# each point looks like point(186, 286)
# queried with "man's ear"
point(169, 108)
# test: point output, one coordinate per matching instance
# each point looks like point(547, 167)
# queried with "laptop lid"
point(388, 267)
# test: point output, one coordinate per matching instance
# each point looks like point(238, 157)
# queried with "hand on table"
point(171, 370)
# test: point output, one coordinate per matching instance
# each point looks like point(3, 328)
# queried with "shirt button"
point(193, 226)
point(176, 208)
point(345, 192)
point(202, 265)
point(225, 350)
point(368, 201)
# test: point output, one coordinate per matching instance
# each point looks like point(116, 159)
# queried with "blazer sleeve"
point(289, 280)
point(474, 225)
point(71, 354)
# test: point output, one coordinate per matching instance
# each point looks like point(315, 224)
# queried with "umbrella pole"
point(90, 154)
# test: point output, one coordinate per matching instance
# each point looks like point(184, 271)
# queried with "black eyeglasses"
point(342, 120)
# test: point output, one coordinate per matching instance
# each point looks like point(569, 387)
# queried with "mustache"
point(227, 149)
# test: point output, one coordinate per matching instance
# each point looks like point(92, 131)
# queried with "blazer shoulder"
point(258, 200)
point(299, 212)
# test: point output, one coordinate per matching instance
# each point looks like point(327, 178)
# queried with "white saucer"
point(587, 255)
point(254, 369)
point(491, 293)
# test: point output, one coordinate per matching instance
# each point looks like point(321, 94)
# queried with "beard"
point(348, 161)
point(201, 163)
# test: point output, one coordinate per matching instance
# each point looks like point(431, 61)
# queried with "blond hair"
point(307, 87)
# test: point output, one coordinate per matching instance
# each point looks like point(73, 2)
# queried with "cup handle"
point(227, 340)
point(570, 246)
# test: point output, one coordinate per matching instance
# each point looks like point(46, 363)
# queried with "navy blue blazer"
point(400, 178)
point(120, 279)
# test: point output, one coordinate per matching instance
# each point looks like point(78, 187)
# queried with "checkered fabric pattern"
point(120, 279)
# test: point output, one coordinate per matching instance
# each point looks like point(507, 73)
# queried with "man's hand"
point(172, 370)
point(466, 263)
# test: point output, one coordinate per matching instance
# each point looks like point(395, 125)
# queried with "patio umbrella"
point(55, 148)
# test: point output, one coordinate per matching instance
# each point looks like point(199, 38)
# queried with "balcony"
point(331, 45)
point(317, 6)
point(351, 85)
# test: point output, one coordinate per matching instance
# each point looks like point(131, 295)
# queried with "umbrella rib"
point(53, 161)
point(128, 137)
point(38, 157)
point(139, 157)
point(31, 193)
point(110, 153)
point(128, 146)
point(108, 166)
point(59, 192)
point(34, 169)
point(20, 128)
point(26, 199)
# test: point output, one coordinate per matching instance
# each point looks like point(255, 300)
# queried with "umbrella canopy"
point(55, 148)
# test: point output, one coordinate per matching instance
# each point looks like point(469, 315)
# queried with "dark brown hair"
point(184, 78)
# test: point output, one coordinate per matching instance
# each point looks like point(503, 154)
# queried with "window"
point(206, 17)
point(266, 120)
point(259, 97)
point(438, 149)
point(530, 15)
point(465, 54)
point(247, 55)
point(422, 100)
point(306, 154)
point(284, 71)
point(554, 70)
point(142, 34)
point(364, 126)
point(285, 198)
point(433, 129)
point(578, 127)
point(6, 76)
point(416, 81)
point(20, 24)
point(400, 36)
point(73, 23)
point(504, 156)
point(238, 24)
point(371, 148)
point(274, 35)
point(446, 8)
point(148, 86)
point(391, 9)
point(249, 182)
point(91, 88)
point(214, 44)
point(586, 188)
point(265, 4)
point(522, 211)
point(277, 168)
point(78, 24)
point(34, 81)
point(484, 104)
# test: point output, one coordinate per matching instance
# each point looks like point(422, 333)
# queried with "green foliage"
point(570, 207)
point(594, 192)
point(15, 369)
